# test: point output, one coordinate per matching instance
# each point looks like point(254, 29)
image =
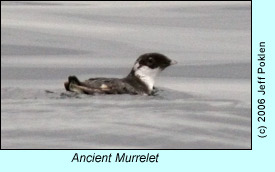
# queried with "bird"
point(140, 80)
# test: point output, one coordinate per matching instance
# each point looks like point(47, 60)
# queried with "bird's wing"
point(99, 86)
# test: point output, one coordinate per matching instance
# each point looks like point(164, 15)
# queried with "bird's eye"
point(150, 60)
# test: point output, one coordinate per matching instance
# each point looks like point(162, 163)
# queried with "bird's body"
point(139, 81)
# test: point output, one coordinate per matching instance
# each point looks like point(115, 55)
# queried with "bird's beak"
point(173, 62)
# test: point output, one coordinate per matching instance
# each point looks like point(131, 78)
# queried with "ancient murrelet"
point(140, 80)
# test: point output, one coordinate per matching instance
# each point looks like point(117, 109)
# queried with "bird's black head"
point(147, 67)
point(154, 60)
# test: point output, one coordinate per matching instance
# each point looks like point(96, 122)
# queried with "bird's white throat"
point(146, 75)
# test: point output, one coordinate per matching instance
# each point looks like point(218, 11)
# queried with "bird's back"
point(110, 85)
